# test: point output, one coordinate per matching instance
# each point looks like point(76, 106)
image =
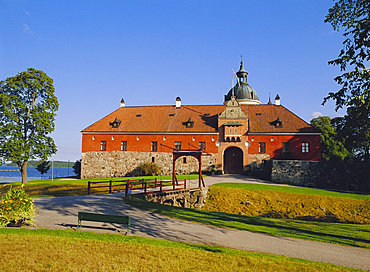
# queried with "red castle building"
point(233, 136)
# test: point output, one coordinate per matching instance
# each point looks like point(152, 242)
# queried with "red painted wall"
point(144, 142)
point(274, 147)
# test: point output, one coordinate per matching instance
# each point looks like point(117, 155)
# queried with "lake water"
point(12, 173)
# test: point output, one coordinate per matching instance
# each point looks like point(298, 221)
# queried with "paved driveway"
point(61, 213)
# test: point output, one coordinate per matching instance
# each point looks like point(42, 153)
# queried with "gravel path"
point(61, 213)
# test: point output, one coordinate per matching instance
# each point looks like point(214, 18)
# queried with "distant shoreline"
point(55, 164)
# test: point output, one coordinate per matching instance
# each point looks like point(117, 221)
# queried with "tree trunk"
point(23, 169)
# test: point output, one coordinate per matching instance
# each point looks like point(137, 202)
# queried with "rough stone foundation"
point(188, 198)
point(108, 164)
point(294, 172)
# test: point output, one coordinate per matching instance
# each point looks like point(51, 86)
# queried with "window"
point(286, 147)
point(184, 160)
point(103, 145)
point(261, 147)
point(123, 146)
point(177, 145)
point(305, 148)
point(154, 146)
point(202, 145)
point(153, 159)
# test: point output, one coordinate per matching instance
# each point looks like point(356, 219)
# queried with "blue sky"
point(150, 52)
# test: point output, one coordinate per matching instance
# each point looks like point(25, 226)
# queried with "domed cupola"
point(244, 93)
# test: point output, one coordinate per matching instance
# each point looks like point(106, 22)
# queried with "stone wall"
point(294, 172)
point(110, 164)
point(194, 198)
point(258, 166)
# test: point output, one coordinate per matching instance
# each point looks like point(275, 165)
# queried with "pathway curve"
point(61, 213)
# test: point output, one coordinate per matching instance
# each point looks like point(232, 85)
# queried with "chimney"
point(178, 103)
point(277, 100)
point(122, 103)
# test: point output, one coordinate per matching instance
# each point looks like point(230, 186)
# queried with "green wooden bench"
point(106, 218)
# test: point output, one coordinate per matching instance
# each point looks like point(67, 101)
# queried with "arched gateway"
point(194, 153)
point(233, 160)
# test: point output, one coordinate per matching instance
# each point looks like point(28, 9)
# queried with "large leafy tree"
point(332, 145)
point(355, 129)
point(352, 17)
point(27, 113)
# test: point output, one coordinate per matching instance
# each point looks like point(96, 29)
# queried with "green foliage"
point(27, 113)
point(16, 208)
point(332, 146)
point(43, 167)
point(356, 130)
point(345, 175)
point(146, 169)
point(353, 17)
point(77, 168)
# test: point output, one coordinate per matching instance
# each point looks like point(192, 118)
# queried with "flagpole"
point(52, 170)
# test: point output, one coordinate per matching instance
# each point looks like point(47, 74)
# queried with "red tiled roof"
point(262, 117)
point(168, 119)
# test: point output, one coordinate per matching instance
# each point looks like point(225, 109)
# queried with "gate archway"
point(194, 153)
point(233, 160)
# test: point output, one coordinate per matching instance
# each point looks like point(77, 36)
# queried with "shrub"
point(145, 169)
point(149, 169)
point(345, 175)
point(16, 208)
point(77, 168)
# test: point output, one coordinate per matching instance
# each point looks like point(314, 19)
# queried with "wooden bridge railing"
point(147, 185)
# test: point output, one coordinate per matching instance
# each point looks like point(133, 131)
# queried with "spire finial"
point(269, 103)
point(241, 63)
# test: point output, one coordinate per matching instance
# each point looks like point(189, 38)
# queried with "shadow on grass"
point(345, 234)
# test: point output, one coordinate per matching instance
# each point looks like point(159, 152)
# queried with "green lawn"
point(66, 250)
point(63, 181)
point(344, 234)
point(294, 190)
point(68, 187)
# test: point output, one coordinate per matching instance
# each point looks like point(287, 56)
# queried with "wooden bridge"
point(140, 185)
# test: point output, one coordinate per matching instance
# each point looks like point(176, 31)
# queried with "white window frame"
point(305, 147)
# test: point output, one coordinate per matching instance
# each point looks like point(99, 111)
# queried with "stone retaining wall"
point(188, 198)
point(294, 172)
point(110, 164)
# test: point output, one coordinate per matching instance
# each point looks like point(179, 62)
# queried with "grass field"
point(288, 203)
point(295, 190)
point(46, 250)
point(68, 187)
point(65, 250)
point(338, 233)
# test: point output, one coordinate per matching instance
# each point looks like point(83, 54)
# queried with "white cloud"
point(337, 115)
point(316, 114)
point(26, 12)
point(27, 29)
